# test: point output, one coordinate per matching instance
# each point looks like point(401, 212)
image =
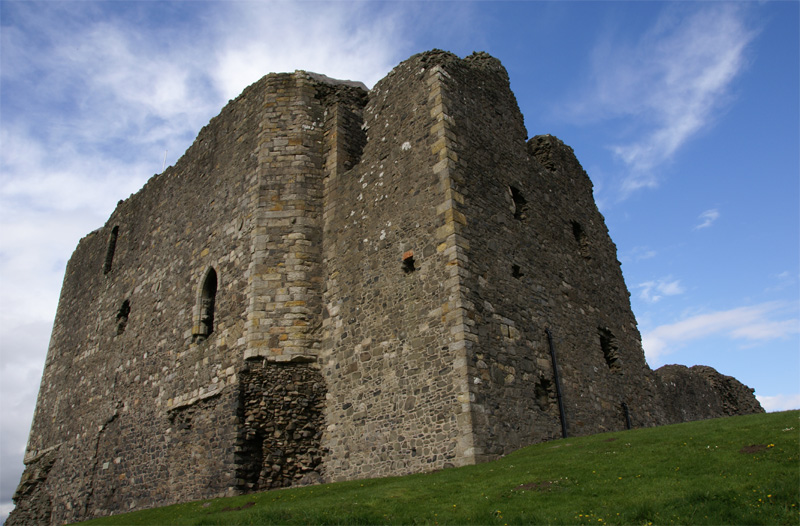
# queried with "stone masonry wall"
point(534, 254)
point(285, 313)
point(390, 359)
point(124, 357)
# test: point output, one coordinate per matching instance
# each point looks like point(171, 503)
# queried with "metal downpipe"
point(559, 395)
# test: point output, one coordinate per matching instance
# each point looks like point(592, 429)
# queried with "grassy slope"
point(695, 473)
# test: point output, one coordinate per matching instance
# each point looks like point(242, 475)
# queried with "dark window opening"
point(520, 204)
point(122, 316)
point(541, 393)
point(408, 263)
point(577, 231)
point(208, 296)
point(581, 238)
point(112, 246)
point(515, 271)
point(610, 348)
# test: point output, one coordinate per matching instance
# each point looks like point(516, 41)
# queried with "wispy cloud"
point(639, 253)
point(667, 85)
point(653, 291)
point(763, 322)
point(377, 35)
point(783, 280)
point(707, 218)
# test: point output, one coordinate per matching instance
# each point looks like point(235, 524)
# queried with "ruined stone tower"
point(333, 283)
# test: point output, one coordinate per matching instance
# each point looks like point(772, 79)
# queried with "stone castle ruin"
point(334, 283)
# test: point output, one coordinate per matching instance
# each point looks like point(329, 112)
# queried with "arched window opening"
point(122, 316)
point(519, 207)
point(208, 296)
point(112, 246)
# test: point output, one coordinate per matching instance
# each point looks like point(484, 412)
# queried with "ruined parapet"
point(700, 392)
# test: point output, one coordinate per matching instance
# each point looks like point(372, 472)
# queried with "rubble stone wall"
point(282, 425)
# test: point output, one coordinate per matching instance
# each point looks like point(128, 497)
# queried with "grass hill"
point(738, 470)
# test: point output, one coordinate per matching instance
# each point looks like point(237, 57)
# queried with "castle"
point(334, 283)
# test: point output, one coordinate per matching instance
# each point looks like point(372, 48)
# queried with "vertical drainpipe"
point(559, 395)
point(627, 415)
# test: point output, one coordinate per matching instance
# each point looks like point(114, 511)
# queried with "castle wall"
point(536, 256)
point(126, 361)
point(391, 360)
point(332, 285)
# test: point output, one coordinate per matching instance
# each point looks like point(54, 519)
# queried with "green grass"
point(740, 470)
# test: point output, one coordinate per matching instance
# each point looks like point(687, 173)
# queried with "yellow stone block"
point(448, 229)
point(451, 214)
point(439, 145)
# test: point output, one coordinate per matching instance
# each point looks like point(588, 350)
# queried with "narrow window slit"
point(122, 316)
point(610, 348)
point(515, 271)
point(520, 207)
point(542, 391)
point(112, 246)
point(581, 239)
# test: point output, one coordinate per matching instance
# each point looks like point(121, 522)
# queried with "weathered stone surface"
point(332, 284)
point(700, 392)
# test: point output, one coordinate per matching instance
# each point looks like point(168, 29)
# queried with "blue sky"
point(684, 114)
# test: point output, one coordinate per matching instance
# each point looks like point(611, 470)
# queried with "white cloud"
point(639, 253)
point(754, 323)
point(653, 291)
point(351, 41)
point(707, 218)
point(779, 402)
point(668, 85)
point(5, 509)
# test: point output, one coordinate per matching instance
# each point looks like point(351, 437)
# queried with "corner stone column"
point(284, 314)
point(454, 247)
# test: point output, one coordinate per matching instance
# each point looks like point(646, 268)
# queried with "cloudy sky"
point(685, 115)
